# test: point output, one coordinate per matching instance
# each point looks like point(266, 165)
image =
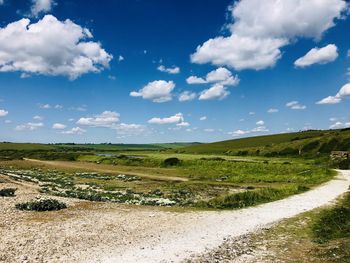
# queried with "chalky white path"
point(210, 228)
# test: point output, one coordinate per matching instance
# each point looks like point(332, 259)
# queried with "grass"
point(251, 198)
point(288, 144)
point(333, 223)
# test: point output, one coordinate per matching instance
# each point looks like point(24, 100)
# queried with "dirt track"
point(102, 232)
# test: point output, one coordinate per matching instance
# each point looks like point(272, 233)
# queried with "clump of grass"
point(42, 205)
point(8, 192)
point(251, 198)
point(171, 161)
point(333, 223)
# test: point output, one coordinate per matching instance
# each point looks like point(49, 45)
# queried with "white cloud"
point(220, 76)
point(38, 118)
point(251, 113)
point(74, 131)
point(129, 129)
point(8, 121)
point(295, 105)
point(261, 28)
point(50, 47)
point(3, 113)
point(58, 126)
point(41, 6)
point(105, 119)
point(318, 56)
point(158, 91)
point(239, 133)
point(209, 130)
point(183, 124)
point(1, 2)
point(30, 126)
point(58, 107)
point(203, 118)
point(187, 96)
point(195, 80)
point(175, 119)
point(260, 123)
point(343, 93)
point(216, 92)
point(339, 125)
point(45, 106)
point(272, 110)
point(173, 70)
point(259, 129)
point(120, 58)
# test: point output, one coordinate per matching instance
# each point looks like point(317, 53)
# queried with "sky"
point(151, 71)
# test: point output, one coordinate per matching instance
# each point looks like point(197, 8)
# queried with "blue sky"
point(143, 71)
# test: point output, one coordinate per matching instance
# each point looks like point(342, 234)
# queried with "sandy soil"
point(102, 232)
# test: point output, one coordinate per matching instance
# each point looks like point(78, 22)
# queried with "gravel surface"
point(106, 232)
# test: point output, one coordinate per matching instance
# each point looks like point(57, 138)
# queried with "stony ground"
point(107, 232)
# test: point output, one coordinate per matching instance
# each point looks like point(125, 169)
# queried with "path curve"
point(209, 229)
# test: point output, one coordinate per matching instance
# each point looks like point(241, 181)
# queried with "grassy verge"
point(251, 198)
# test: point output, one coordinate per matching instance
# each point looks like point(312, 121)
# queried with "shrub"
point(42, 205)
point(8, 192)
point(171, 161)
point(344, 164)
point(310, 146)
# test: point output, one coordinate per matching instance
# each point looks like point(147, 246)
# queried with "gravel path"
point(210, 229)
point(106, 232)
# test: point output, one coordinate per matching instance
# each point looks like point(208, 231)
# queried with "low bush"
point(171, 161)
point(42, 205)
point(8, 192)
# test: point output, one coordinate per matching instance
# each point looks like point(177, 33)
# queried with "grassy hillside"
point(288, 144)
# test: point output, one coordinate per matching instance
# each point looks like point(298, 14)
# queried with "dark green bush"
point(171, 161)
point(8, 192)
point(310, 146)
point(42, 205)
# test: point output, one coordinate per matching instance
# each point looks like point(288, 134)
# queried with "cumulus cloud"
point(195, 80)
point(157, 91)
point(295, 105)
point(30, 126)
point(260, 123)
point(203, 118)
point(129, 129)
point(220, 76)
point(261, 28)
point(3, 113)
point(58, 126)
point(340, 125)
point(175, 119)
point(343, 93)
point(216, 92)
point(272, 110)
point(50, 47)
point(105, 119)
point(74, 131)
point(318, 56)
point(187, 96)
point(38, 118)
point(41, 6)
point(172, 70)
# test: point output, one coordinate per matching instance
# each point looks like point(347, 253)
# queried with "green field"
point(222, 175)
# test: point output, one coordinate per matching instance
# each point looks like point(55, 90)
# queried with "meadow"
point(223, 175)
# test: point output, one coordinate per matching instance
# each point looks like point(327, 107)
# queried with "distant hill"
point(93, 147)
point(306, 143)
